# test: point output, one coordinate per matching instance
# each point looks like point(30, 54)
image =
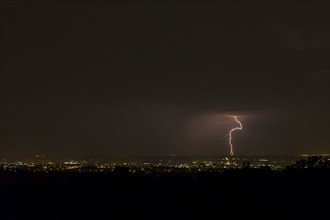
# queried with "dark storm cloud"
point(114, 78)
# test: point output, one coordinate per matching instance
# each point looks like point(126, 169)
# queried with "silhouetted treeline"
point(313, 162)
point(300, 192)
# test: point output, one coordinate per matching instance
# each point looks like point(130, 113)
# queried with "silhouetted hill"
point(296, 193)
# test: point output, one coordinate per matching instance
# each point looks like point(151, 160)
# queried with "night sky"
point(97, 78)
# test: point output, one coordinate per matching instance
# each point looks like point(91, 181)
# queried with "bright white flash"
point(234, 129)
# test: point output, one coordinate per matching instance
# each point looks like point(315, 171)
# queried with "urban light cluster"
point(166, 165)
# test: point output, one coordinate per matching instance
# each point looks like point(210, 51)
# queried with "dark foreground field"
point(239, 194)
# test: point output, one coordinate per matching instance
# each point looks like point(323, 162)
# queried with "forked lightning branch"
point(230, 135)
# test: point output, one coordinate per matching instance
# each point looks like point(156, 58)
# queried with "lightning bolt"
point(234, 129)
